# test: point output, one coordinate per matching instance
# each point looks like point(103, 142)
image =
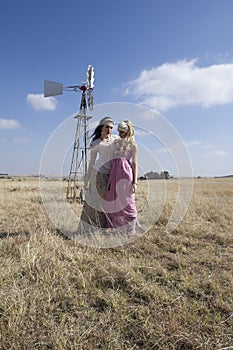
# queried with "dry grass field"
point(163, 291)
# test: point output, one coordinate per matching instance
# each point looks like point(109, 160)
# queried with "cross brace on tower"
point(79, 160)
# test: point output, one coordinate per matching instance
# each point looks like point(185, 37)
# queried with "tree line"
point(151, 175)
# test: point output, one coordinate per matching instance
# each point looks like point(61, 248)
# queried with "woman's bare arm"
point(91, 162)
point(135, 166)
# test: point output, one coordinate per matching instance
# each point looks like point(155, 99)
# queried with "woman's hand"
point(86, 184)
point(134, 187)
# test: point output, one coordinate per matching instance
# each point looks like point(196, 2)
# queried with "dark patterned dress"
point(93, 216)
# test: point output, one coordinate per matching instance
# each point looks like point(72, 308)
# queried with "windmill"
point(81, 145)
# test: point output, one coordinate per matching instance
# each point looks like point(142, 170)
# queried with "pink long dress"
point(120, 198)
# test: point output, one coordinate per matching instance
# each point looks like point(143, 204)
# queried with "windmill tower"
point(81, 145)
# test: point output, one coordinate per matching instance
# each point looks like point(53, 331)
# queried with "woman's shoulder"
point(95, 142)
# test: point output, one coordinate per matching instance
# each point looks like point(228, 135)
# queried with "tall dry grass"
point(163, 291)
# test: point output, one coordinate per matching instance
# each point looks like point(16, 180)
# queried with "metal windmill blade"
point(90, 86)
point(90, 77)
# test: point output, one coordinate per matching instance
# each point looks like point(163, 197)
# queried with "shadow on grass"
point(4, 235)
point(62, 235)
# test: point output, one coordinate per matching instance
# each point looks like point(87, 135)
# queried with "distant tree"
point(151, 175)
point(165, 175)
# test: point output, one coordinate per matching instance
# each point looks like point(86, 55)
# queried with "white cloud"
point(193, 143)
point(183, 83)
point(216, 153)
point(9, 124)
point(148, 115)
point(39, 102)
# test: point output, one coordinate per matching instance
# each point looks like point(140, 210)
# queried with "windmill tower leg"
point(74, 167)
point(78, 168)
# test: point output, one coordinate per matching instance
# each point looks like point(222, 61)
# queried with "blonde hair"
point(130, 133)
point(128, 142)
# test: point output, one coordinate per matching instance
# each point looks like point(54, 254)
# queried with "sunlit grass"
point(163, 291)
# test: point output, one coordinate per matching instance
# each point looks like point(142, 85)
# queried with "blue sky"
point(173, 56)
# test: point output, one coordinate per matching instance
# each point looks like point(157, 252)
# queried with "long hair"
point(130, 133)
point(97, 132)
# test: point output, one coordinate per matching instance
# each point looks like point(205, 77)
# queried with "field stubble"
point(163, 291)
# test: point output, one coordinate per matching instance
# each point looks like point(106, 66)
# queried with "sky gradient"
point(174, 57)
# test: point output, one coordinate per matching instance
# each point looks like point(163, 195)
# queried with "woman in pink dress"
point(122, 184)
